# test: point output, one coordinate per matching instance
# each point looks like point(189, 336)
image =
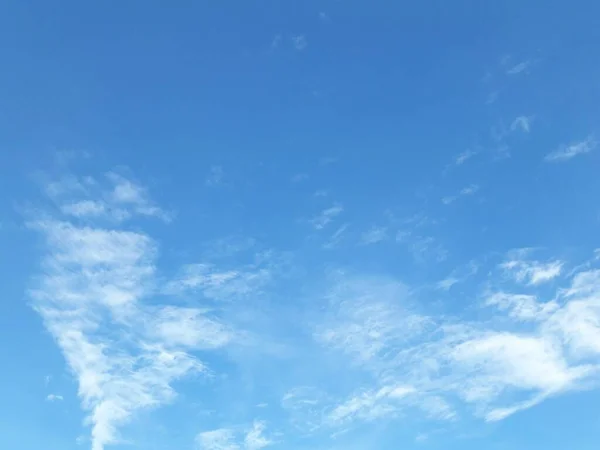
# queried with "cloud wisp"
point(526, 351)
point(326, 216)
point(92, 294)
point(570, 151)
point(253, 438)
point(466, 191)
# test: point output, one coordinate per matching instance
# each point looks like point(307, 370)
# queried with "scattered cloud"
point(221, 439)
point(522, 123)
point(522, 67)
point(230, 439)
point(276, 42)
point(92, 295)
point(300, 42)
point(464, 157)
point(215, 176)
point(335, 239)
point(457, 276)
point(495, 368)
point(572, 150)
point(532, 272)
point(374, 235)
point(369, 406)
point(100, 294)
point(255, 438)
point(112, 197)
point(299, 177)
point(423, 248)
point(54, 398)
point(492, 97)
point(466, 191)
point(326, 216)
point(216, 284)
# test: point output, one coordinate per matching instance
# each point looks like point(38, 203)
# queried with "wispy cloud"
point(466, 191)
point(124, 351)
point(215, 176)
point(522, 67)
point(464, 157)
point(326, 216)
point(323, 17)
point(300, 177)
point(337, 236)
point(458, 275)
point(495, 368)
point(218, 284)
point(255, 438)
point(112, 197)
point(232, 439)
point(522, 123)
point(54, 398)
point(221, 439)
point(422, 247)
point(532, 272)
point(572, 150)
point(374, 235)
point(300, 42)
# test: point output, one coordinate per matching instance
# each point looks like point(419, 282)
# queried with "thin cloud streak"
point(571, 151)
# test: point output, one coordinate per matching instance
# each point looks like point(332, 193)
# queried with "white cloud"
point(222, 439)
point(369, 406)
point(532, 272)
point(326, 216)
point(519, 68)
point(458, 275)
point(532, 351)
point(54, 398)
point(422, 248)
point(85, 208)
point(469, 190)
point(276, 42)
point(113, 198)
point(464, 156)
point(230, 439)
point(300, 42)
point(215, 176)
point(521, 306)
point(335, 239)
point(92, 296)
point(374, 235)
point(522, 123)
point(218, 285)
point(299, 177)
point(572, 150)
point(255, 439)
point(466, 191)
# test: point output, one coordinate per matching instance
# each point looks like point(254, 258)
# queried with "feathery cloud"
point(496, 368)
point(300, 42)
point(466, 191)
point(519, 68)
point(522, 123)
point(374, 235)
point(54, 398)
point(572, 150)
point(215, 176)
point(326, 216)
point(230, 439)
point(92, 296)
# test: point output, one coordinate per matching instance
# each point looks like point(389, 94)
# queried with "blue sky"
point(300, 225)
